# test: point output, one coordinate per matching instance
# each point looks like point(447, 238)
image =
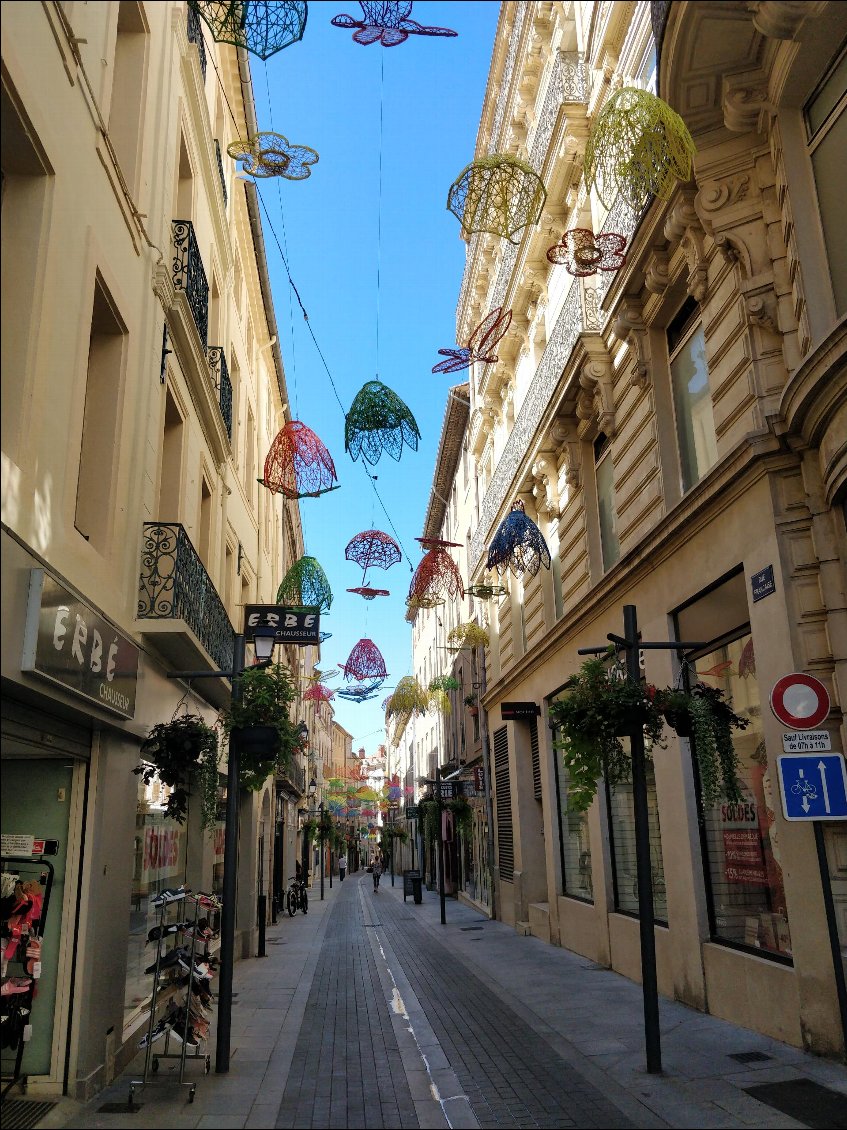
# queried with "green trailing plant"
point(470, 699)
point(444, 683)
point(208, 780)
point(704, 715)
point(597, 709)
point(310, 830)
point(430, 817)
point(175, 750)
point(463, 815)
point(326, 826)
point(266, 696)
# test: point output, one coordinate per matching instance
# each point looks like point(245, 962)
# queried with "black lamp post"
point(307, 870)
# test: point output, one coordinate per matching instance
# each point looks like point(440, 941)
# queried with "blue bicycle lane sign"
point(814, 787)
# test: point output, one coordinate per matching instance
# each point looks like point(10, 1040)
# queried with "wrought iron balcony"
point(189, 275)
point(195, 35)
point(219, 373)
point(221, 170)
point(295, 776)
point(174, 585)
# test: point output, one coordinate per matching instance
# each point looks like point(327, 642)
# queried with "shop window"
point(695, 422)
point(621, 808)
point(743, 861)
point(826, 133)
point(575, 841)
point(159, 862)
point(604, 471)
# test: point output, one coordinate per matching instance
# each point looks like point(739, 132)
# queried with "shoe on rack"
point(165, 931)
point(16, 985)
point(180, 1035)
point(170, 894)
point(208, 900)
point(171, 960)
point(156, 1034)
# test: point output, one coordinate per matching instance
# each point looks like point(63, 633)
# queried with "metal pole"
point(643, 865)
point(230, 877)
point(486, 768)
point(832, 928)
point(440, 849)
point(263, 910)
point(321, 829)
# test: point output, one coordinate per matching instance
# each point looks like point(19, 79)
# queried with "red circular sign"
point(800, 701)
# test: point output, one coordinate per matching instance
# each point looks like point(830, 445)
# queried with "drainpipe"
point(486, 765)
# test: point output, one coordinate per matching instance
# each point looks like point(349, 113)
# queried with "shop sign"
point(762, 583)
point(71, 645)
point(292, 625)
point(515, 711)
point(161, 853)
point(744, 861)
point(448, 790)
point(411, 812)
point(479, 778)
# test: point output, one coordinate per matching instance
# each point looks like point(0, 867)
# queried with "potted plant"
point(172, 751)
point(704, 715)
point(600, 707)
point(471, 704)
point(267, 739)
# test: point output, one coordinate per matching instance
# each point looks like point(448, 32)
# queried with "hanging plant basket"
point(256, 741)
point(468, 635)
point(463, 815)
point(175, 750)
point(444, 683)
point(269, 741)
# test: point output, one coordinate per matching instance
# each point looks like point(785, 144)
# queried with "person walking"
point(377, 871)
point(342, 866)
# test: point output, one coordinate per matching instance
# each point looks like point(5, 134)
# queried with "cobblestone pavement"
point(369, 1012)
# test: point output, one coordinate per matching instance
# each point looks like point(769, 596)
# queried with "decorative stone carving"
point(683, 226)
point(564, 435)
point(629, 327)
point(656, 276)
point(781, 19)
point(760, 310)
point(744, 99)
point(545, 474)
point(596, 402)
point(717, 194)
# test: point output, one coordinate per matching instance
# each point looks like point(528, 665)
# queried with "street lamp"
point(307, 870)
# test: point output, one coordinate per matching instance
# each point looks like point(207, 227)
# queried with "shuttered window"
point(503, 793)
point(536, 759)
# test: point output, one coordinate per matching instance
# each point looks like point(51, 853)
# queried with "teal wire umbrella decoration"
point(379, 421)
point(518, 545)
point(261, 27)
point(305, 586)
point(362, 692)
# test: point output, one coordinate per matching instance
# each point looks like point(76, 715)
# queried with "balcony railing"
point(221, 170)
point(219, 373)
point(174, 585)
point(195, 35)
point(189, 274)
point(296, 775)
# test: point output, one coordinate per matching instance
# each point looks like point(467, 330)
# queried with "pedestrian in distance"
point(377, 871)
point(342, 866)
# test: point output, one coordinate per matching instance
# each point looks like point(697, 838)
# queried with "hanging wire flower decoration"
point(305, 585)
point(584, 253)
point(500, 194)
point(436, 579)
point(386, 22)
point(379, 421)
point(318, 693)
point(362, 692)
point(369, 593)
point(409, 698)
point(518, 545)
point(273, 155)
point(261, 27)
point(467, 636)
point(373, 549)
point(486, 592)
point(638, 147)
point(298, 465)
point(364, 662)
point(481, 344)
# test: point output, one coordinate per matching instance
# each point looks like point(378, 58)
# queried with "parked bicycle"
point(296, 897)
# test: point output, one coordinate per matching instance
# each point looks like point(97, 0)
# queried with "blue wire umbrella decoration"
point(362, 692)
point(518, 545)
point(261, 27)
point(386, 22)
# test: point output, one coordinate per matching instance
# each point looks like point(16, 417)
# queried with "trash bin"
point(412, 885)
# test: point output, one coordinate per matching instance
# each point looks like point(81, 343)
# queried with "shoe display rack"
point(24, 902)
point(183, 1030)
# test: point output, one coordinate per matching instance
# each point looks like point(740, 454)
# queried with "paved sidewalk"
point(369, 1013)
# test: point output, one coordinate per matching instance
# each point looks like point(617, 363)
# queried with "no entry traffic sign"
point(800, 701)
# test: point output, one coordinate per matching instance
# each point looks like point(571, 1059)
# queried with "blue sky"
point(328, 92)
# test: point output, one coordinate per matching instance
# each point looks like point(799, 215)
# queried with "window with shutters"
point(536, 759)
point(503, 793)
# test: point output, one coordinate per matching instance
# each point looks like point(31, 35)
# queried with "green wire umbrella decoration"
point(379, 421)
point(638, 147)
point(305, 586)
point(261, 27)
point(500, 194)
point(409, 698)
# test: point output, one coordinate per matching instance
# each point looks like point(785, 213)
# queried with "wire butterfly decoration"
point(386, 22)
point(483, 341)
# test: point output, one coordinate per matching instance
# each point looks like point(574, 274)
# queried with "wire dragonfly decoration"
point(483, 341)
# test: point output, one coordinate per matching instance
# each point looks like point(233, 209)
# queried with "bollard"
point(263, 899)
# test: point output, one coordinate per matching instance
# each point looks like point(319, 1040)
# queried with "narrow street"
point(368, 1012)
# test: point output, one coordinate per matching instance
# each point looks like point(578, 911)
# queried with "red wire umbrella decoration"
point(481, 345)
point(436, 578)
point(298, 464)
point(583, 253)
point(373, 548)
point(386, 22)
point(364, 662)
